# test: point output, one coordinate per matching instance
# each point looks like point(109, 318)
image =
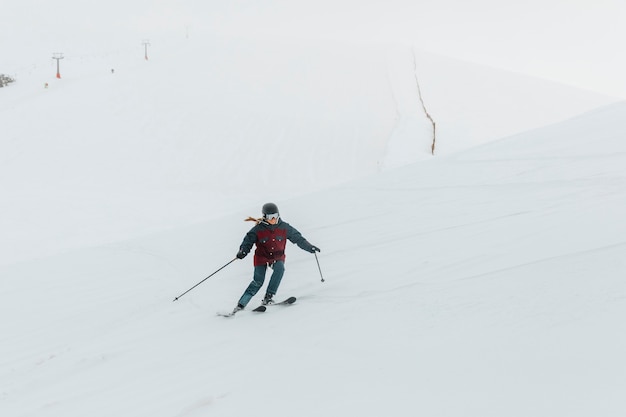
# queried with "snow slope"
point(484, 282)
point(211, 124)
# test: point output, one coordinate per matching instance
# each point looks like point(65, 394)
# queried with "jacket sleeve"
point(249, 240)
point(296, 237)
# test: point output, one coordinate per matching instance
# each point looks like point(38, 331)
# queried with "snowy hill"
point(486, 281)
point(188, 136)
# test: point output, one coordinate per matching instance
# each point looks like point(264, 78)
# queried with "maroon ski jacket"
point(271, 240)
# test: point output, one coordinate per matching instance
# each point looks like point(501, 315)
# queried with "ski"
point(289, 300)
point(259, 309)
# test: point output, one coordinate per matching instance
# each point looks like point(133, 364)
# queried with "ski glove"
point(314, 249)
point(241, 254)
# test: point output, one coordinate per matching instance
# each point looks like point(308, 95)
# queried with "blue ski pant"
point(259, 278)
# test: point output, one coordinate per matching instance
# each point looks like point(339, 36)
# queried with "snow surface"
point(487, 280)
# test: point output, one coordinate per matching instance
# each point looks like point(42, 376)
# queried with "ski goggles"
point(271, 216)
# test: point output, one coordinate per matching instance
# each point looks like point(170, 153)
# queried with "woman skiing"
point(270, 235)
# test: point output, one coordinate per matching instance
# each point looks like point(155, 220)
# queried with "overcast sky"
point(578, 42)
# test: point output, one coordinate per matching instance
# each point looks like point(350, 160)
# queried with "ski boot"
point(267, 300)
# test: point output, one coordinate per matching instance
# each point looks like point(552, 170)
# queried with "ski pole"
point(205, 279)
point(318, 266)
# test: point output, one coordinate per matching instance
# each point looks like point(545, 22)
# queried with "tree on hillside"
point(5, 80)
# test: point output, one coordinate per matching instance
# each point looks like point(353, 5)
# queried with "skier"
point(270, 235)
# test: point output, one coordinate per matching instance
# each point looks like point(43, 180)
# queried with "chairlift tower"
point(58, 56)
point(145, 44)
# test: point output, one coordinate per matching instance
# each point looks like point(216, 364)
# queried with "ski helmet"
point(269, 208)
